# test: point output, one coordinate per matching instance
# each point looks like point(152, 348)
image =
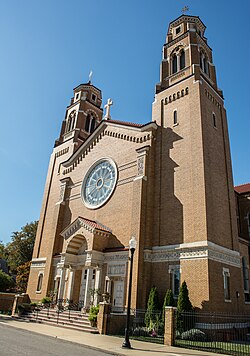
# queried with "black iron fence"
point(220, 333)
point(144, 326)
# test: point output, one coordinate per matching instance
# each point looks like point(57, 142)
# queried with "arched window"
point(182, 59)
point(87, 123)
point(174, 64)
point(175, 117)
point(92, 127)
point(40, 282)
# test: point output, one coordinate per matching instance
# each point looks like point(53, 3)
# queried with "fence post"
point(170, 326)
point(102, 317)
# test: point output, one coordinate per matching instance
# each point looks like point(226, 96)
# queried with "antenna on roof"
point(185, 9)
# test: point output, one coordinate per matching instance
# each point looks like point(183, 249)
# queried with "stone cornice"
point(192, 251)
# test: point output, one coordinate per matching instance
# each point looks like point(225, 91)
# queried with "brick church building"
point(167, 182)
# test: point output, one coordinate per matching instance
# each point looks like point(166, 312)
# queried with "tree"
point(168, 302)
point(153, 307)
point(22, 277)
point(183, 305)
point(20, 249)
point(6, 282)
point(2, 250)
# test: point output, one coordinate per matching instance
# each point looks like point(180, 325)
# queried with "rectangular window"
point(245, 273)
point(94, 271)
point(175, 276)
point(226, 284)
point(178, 30)
point(85, 273)
point(175, 117)
point(93, 97)
point(214, 120)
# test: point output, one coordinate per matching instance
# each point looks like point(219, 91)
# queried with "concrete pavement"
point(109, 344)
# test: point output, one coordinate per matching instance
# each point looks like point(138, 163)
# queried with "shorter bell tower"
point(82, 115)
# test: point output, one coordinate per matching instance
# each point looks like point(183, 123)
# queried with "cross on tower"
point(107, 107)
point(185, 9)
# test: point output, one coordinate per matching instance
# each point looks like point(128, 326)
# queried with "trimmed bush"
point(46, 300)
point(153, 307)
point(194, 335)
point(94, 310)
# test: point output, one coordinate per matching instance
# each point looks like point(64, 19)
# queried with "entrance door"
point(118, 296)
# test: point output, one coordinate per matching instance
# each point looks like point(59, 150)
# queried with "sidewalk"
point(110, 344)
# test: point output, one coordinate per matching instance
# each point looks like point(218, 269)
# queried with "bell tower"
point(82, 115)
point(194, 195)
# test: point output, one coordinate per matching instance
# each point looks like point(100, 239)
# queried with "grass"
point(216, 346)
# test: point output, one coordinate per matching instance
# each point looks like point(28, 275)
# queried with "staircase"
point(67, 319)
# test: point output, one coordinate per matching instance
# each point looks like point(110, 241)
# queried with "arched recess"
point(177, 59)
point(77, 245)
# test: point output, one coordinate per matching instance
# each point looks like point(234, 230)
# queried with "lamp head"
point(132, 243)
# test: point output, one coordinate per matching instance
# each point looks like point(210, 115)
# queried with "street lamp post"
point(132, 246)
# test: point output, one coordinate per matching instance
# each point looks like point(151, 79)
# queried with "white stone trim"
point(193, 251)
point(116, 256)
point(38, 262)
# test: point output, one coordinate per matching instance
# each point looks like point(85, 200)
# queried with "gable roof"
point(100, 131)
point(243, 188)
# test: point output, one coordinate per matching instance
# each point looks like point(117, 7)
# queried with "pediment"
point(127, 131)
point(88, 225)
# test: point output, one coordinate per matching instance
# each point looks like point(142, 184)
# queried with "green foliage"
point(6, 282)
point(46, 300)
point(183, 305)
point(20, 249)
point(2, 251)
point(153, 307)
point(168, 302)
point(194, 335)
point(22, 277)
point(94, 310)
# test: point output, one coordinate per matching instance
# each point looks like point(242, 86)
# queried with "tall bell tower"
point(194, 186)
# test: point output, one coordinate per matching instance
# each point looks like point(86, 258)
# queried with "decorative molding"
point(38, 262)
point(211, 98)
point(193, 251)
point(179, 94)
point(62, 152)
point(176, 40)
point(116, 256)
point(116, 269)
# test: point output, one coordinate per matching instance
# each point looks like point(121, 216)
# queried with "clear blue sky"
point(49, 47)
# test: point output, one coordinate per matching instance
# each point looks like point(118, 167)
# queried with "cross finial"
point(107, 107)
point(185, 9)
point(90, 76)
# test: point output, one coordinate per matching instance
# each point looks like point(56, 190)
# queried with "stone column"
point(70, 284)
point(62, 284)
point(88, 286)
point(170, 326)
point(97, 284)
point(178, 62)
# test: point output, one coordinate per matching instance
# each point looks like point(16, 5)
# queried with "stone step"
point(77, 321)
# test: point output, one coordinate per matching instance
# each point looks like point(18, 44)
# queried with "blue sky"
point(49, 47)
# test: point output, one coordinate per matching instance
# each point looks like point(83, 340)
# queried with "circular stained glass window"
point(99, 183)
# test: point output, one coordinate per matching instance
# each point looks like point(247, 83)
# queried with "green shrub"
point(183, 305)
point(194, 335)
point(24, 307)
point(46, 300)
point(94, 310)
point(153, 307)
point(168, 302)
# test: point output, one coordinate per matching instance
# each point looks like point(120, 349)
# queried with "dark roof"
point(178, 18)
point(126, 123)
point(87, 84)
point(243, 188)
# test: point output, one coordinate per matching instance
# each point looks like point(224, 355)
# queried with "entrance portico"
point(84, 268)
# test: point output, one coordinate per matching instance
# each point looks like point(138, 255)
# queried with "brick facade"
point(174, 192)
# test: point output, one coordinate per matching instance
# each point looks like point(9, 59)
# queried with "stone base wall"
point(6, 301)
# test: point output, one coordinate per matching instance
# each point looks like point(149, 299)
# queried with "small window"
point(77, 96)
point(92, 127)
point(85, 273)
point(245, 275)
point(178, 30)
point(40, 282)
point(175, 280)
point(175, 117)
point(93, 97)
point(214, 120)
point(93, 276)
point(226, 284)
